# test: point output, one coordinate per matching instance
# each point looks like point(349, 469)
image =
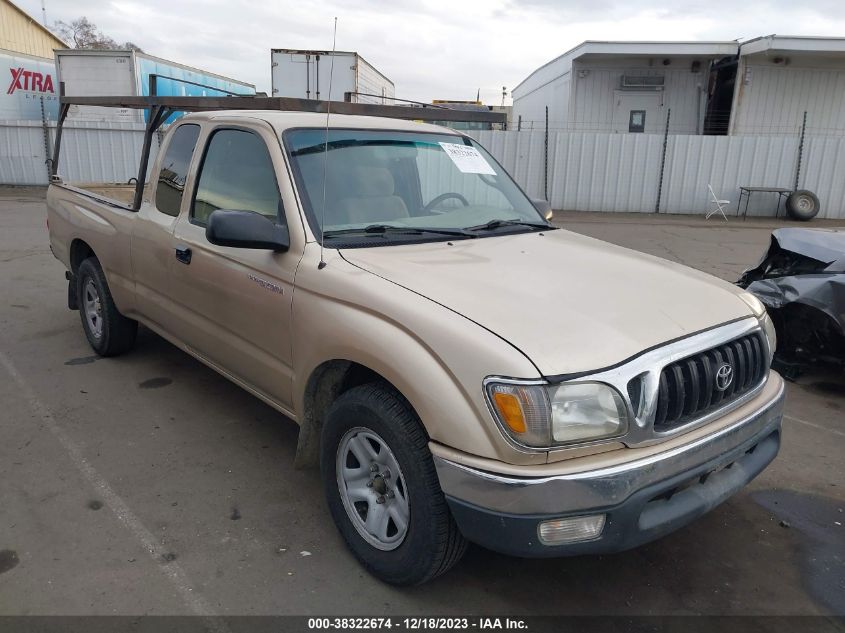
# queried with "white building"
point(780, 77)
point(621, 87)
point(761, 86)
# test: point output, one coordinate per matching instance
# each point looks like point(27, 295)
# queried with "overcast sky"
point(431, 49)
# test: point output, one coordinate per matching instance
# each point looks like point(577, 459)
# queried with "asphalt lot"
point(148, 484)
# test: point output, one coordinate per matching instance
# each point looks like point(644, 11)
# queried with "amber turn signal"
point(510, 411)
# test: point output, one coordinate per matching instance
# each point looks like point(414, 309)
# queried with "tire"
point(108, 332)
point(802, 205)
point(376, 416)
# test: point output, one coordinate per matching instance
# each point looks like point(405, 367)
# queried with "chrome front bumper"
point(627, 492)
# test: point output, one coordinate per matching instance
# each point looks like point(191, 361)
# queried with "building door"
point(638, 112)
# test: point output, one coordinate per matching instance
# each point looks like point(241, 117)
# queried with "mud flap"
point(72, 299)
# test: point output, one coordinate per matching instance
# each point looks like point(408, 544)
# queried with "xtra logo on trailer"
point(29, 80)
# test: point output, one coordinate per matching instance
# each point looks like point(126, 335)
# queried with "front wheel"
point(382, 488)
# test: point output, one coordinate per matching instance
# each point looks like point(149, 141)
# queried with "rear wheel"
point(382, 488)
point(107, 330)
point(802, 205)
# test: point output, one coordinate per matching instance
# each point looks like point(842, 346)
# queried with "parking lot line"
point(815, 426)
point(172, 570)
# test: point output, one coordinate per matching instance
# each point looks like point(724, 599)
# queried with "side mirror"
point(246, 229)
point(543, 207)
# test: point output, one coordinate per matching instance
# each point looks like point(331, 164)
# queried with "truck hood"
point(569, 302)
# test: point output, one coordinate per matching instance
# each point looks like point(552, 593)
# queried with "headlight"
point(543, 416)
point(586, 411)
point(771, 335)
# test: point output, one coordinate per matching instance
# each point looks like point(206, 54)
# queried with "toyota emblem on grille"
point(724, 377)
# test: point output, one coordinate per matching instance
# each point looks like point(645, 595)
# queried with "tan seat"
point(368, 197)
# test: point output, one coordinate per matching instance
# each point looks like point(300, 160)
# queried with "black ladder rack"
point(162, 107)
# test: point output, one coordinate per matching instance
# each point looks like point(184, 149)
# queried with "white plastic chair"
point(720, 205)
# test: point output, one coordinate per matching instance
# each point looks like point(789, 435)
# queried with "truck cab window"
point(236, 173)
point(174, 169)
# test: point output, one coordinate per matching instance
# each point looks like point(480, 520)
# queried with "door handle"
point(183, 254)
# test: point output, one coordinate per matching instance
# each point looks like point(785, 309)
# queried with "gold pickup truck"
point(460, 368)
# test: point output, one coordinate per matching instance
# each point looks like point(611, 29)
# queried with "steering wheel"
point(445, 196)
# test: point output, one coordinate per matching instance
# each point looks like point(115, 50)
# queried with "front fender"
point(436, 358)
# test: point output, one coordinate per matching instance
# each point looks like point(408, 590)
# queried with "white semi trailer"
point(32, 92)
point(92, 73)
point(305, 75)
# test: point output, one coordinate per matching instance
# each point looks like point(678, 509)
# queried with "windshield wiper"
point(495, 224)
point(381, 229)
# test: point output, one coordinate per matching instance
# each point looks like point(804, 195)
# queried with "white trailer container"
point(32, 91)
point(85, 73)
point(305, 75)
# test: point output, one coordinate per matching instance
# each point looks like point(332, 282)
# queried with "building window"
point(636, 122)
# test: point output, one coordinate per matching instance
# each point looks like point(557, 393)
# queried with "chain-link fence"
point(586, 170)
point(668, 172)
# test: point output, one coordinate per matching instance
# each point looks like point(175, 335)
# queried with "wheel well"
point(807, 331)
point(326, 383)
point(79, 252)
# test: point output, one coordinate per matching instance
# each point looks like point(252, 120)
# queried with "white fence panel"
point(91, 151)
point(726, 163)
point(823, 173)
point(591, 171)
point(605, 172)
point(520, 153)
point(22, 157)
point(94, 151)
point(587, 171)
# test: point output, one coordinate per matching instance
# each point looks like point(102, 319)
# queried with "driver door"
point(235, 303)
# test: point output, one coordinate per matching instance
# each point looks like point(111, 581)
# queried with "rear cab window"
point(236, 173)
point(174, 169)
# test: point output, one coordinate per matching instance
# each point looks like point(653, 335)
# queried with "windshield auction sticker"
point(467, 159)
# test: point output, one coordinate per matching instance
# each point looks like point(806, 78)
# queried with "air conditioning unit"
point(643, 82)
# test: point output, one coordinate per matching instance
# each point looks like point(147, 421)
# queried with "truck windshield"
point(383, 185)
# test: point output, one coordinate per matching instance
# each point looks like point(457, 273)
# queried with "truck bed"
point(95, 217)
point(119, 192)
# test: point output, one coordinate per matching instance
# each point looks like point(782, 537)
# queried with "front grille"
point(688, 388)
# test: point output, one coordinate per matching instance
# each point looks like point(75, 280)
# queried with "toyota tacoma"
point(460, 368)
